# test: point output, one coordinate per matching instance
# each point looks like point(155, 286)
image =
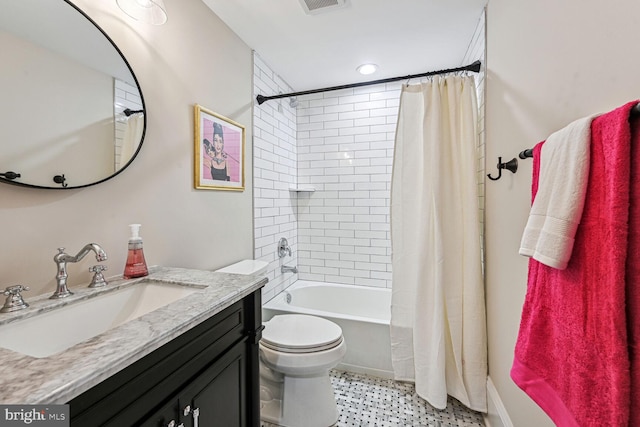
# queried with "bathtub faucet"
point(283, 248)
point(286, 268)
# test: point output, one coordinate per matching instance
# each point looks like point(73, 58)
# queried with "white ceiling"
point(312, 51)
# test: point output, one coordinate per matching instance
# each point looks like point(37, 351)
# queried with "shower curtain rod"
point(474, 67)
point(127, 112)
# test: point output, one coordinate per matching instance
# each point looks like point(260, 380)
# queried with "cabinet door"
point(218, 396)
point(163, 417)
point(137, 390)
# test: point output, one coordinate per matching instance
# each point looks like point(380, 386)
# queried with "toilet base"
point(308, 401)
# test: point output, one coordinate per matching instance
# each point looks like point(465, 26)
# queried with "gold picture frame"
point(219, 147)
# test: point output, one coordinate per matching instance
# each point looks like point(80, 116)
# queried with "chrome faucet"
point(14, 300)
point(286, 268)
point(61, 259)
point(283, 250)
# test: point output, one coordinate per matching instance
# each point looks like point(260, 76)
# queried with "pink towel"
point(633, 275)
point(571, 354)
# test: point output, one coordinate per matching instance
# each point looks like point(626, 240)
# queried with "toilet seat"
point(299, 333)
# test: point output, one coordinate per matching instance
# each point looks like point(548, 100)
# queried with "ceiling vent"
point(312, 7)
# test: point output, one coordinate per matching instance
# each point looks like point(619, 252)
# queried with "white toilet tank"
point(247, 266)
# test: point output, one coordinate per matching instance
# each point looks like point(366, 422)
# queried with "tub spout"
point(286, 268)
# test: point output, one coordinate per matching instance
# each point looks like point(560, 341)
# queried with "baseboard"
point(497, 415)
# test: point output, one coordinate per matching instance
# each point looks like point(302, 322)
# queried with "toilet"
point(296, 353)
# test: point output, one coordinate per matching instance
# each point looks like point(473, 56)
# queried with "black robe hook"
point(60, 179)
point(511, 165)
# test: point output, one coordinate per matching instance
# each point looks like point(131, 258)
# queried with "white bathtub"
point(362, 312)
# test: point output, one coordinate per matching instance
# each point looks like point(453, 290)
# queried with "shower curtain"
point(438, 333)
point(132, 136)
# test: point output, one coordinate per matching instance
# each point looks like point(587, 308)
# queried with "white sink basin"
point(51, 332)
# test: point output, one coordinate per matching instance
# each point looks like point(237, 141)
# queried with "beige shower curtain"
point(438, 334)
point(131, 139)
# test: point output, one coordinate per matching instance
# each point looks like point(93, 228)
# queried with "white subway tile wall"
point(343, 143)
point(274, 172)
point(345, 151)
point(125, 95)
point(476, 50)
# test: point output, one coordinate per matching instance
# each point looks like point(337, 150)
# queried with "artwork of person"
point(206, 159)
point(219, 157)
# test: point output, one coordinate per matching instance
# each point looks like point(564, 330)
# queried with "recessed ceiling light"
point(367, 69)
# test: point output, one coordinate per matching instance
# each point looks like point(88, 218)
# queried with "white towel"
point(557, 208)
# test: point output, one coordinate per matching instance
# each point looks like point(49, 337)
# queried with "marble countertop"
point(65, 375)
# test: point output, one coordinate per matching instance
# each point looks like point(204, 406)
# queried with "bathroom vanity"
point(191, 362)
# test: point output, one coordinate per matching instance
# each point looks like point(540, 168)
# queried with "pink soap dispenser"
point(136, 266)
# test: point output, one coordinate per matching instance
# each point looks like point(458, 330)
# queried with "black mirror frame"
point(63, 186)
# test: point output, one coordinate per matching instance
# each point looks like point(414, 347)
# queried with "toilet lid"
point(299, 333)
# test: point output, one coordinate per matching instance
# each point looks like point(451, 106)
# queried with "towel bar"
point(525, 154)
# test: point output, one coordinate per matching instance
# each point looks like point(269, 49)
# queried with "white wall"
point(477, 51)
point(193, 58)
point(548, 63)
point(345, 152)
point(275, 170)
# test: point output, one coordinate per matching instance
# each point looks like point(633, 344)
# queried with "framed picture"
point(219, 152)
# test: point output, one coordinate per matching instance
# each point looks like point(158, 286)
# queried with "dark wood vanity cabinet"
point(208, 376)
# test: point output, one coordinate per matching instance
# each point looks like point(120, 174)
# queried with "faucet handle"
point(283, 248)
point(15, 290)
point(98, 279)
point(14, 300)
point(98, 268)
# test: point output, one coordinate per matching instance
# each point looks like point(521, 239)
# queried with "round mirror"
point(72, 112)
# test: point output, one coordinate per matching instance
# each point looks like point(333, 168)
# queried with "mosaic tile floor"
point(374, 402)
point(365, 401)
